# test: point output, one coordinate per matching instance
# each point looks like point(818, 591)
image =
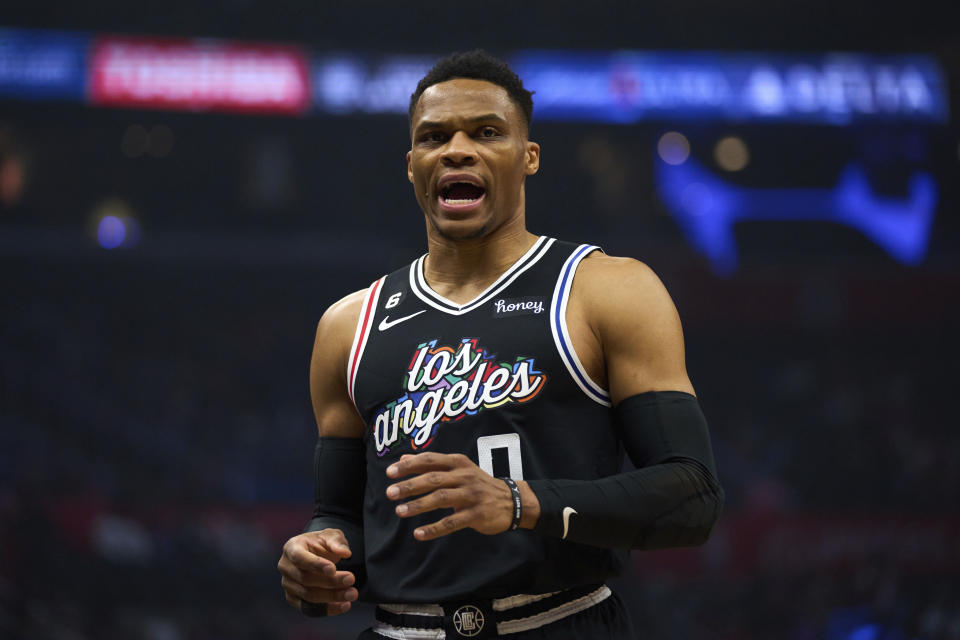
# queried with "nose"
point(460, 150)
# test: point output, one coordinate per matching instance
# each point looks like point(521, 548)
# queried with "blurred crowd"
point(156, 441)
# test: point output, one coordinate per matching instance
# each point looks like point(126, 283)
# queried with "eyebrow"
point(487, 117)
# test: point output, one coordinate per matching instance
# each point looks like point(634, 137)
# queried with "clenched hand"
point(308, 567)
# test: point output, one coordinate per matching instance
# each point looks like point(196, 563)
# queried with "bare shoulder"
point(347, 308)
point(339, 321)
point(612, 283)
point(332, 406)
point(635, 324)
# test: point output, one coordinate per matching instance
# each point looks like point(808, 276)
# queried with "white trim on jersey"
point(422, 290)
point(558, 326)
point(364, 326)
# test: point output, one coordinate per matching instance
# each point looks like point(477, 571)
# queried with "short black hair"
point(479, 65)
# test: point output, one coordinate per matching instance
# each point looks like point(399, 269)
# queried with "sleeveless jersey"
point(497, 380)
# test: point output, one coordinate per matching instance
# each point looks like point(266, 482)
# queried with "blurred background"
point(185, 188)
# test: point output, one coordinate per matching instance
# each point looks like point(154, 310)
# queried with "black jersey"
point(496, 379)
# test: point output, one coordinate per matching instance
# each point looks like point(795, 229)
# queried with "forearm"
point(673, 504)
point(672, 499)
point(339, 481)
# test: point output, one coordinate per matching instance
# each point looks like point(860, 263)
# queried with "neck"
point(460, 269)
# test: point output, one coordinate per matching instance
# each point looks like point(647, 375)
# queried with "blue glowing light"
point(706, 209)
point(866, 632)
point(111, 232)
point(43, 64)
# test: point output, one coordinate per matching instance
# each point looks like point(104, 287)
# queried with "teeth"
point(461, 201)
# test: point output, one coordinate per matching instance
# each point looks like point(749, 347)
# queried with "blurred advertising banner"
point(628, 87)
point(621, 87)
point(345, 84)
point(198, 76)
point(831, 88)
point(43, 64)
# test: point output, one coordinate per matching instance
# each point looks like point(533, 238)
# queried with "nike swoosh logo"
point(386, 323)
point(567, 512)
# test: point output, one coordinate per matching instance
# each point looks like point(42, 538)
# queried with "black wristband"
point(313, 609)
point(517, 505)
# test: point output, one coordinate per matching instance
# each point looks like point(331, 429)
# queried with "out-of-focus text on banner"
point(630, 87)
point(619, 87)
point(199, 76)
point(43, 64)
point(827, 89)
point(344, 84)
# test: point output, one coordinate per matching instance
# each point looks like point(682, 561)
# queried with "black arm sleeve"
point(340, 477)
point(672, 499)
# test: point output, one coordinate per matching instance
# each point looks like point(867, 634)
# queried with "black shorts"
point(606, 619)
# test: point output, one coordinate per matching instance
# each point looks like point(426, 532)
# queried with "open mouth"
point(461, 193)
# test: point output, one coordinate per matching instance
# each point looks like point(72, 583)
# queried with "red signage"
point(199, 76)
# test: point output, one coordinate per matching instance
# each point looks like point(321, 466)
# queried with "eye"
point(433, 137)
point(488, 132)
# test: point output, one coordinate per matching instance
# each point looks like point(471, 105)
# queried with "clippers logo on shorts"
point(444, 384)
point(515, 306)
point(468, 620)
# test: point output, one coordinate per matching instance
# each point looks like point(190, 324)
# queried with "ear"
point(532, 160)
point(409, 168)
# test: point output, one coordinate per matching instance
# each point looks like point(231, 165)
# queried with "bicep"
point(333, 409)
point(640, 333)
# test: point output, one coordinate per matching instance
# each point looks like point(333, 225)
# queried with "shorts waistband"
point(484, 618)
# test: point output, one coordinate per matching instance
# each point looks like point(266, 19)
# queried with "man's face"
point(469, 157)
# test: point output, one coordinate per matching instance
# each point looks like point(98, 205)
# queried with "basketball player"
point(474, 407)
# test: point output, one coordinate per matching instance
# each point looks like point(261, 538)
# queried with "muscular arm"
point(338, 458)
point(625, 328)
point(627, 333)
point(322, 566)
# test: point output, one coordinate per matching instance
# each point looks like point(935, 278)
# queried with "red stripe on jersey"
point(368, 311)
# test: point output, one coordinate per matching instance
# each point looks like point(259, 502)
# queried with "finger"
point(336, 541)
point(446, 526)
point(329, 543)
point(338, 580)
point(308, 559)
point(318, 595)
point(424, 483)
point(422, 462)
point(331, 595)
point(439, 499)
point(308, 608)
point(315, 579)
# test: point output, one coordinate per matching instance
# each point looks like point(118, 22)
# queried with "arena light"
point(113, 224)
point(161, 141)
point(731, 153)
point(673, 148)
point(135, 141)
